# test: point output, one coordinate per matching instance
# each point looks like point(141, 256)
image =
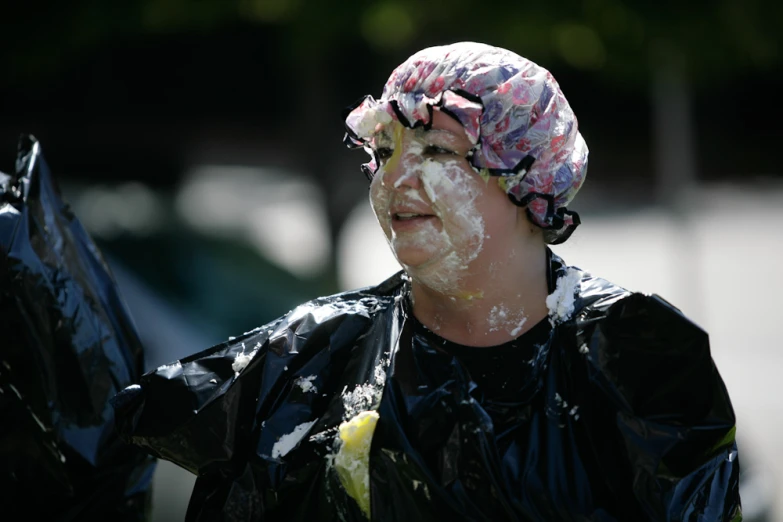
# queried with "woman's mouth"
point(405, 221)
point(404, 216)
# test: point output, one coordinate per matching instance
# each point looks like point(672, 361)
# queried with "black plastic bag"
point(622, 416)
point(68, 345)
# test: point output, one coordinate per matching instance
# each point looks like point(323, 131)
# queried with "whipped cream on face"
point(370, 120)
point(414, 149)
point(455, 238)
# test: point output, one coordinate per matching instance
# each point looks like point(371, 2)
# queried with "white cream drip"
point(503, 318)
point(289, 441)
point(561, 301)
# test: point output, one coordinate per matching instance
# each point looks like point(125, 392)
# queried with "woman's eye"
point(384, 153)
point(435, 150)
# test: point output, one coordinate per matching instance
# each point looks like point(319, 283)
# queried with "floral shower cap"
point(512, 110)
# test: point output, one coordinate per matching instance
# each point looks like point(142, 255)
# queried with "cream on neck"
point(513, 297)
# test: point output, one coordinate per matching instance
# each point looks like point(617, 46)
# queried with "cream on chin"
point(452, 193)
point(429, 216)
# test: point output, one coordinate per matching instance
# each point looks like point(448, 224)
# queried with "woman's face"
point(437, 213)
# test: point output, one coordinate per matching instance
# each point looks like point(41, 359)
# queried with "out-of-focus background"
point(200, 144)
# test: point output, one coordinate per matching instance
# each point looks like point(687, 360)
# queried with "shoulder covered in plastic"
point(620, 312)
point(188, 411)
point(649, 356)
point(649, 371)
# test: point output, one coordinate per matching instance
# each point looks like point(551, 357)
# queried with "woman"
point(488, 381)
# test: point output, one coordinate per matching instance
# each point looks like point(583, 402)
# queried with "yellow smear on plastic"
point(395, 157)
point(353, 459)
point(503, 183)
point(727, 440)
point(484, 173)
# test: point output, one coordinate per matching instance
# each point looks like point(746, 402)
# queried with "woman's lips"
point(407, 221)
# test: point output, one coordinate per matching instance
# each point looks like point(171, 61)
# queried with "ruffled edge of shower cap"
point(514, 112)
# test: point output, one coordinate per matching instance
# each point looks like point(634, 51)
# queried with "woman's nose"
point(403, 168)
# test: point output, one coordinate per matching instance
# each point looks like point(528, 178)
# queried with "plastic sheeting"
point(68, 345)
point(622, 416)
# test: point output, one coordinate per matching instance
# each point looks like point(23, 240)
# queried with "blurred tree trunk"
point(673, 128)
point(676, 175)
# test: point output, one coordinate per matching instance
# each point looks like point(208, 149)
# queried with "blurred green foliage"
point(615, 39)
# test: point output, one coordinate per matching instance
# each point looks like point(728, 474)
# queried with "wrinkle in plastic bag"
point(68, 346)
point(621, 415)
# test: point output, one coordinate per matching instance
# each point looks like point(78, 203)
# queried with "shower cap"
point(513, 111)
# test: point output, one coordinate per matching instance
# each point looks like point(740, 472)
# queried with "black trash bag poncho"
point(622, 416)
point(68, 346)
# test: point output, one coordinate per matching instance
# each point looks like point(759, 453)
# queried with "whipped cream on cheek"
point(454, 239)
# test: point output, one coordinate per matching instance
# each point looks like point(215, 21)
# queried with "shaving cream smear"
point(561, 302)
point(503, 318)
point(451, 240)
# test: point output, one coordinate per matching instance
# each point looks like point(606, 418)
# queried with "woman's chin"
point(414, 257)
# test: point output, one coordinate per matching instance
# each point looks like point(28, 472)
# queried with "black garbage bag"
point(68, 345)
point(346, 409)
